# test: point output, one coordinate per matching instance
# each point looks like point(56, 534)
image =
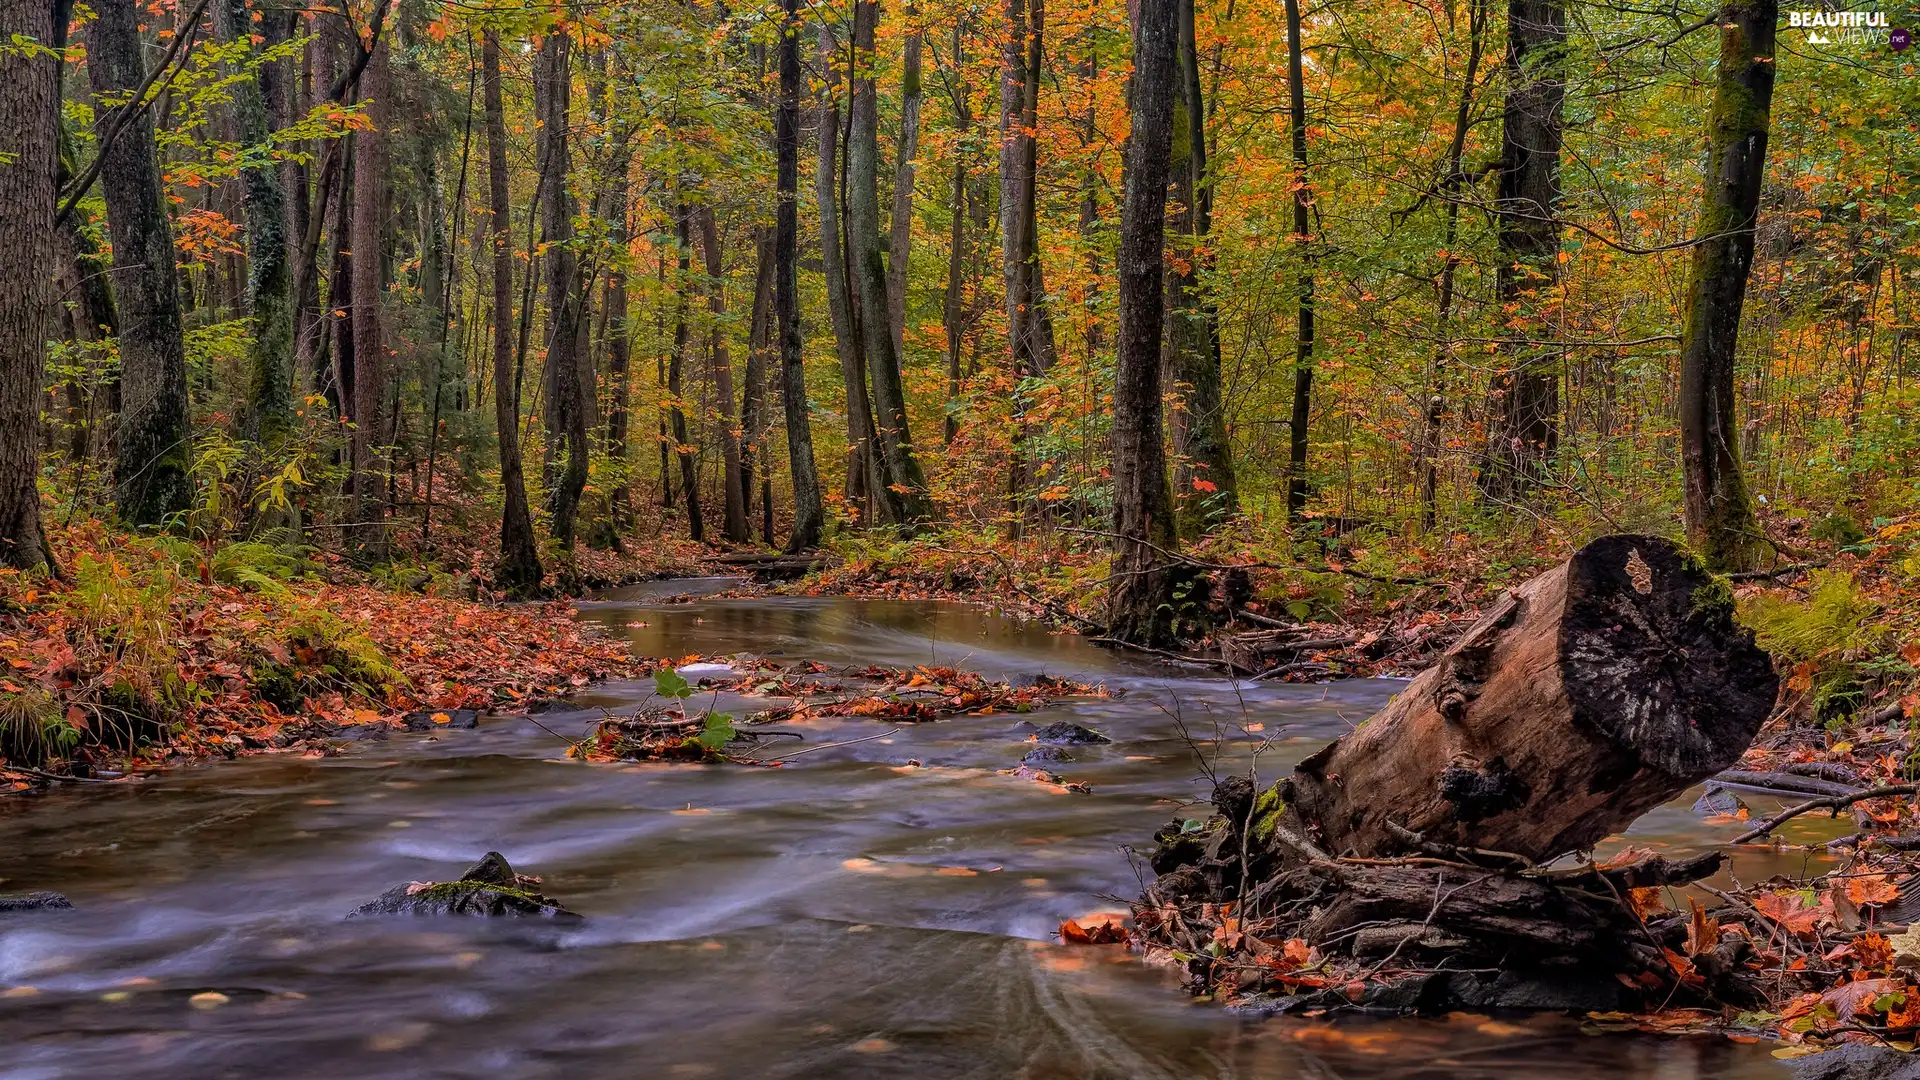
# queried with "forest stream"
point(845, 915)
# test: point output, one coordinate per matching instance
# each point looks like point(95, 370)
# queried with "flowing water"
point(848, 915)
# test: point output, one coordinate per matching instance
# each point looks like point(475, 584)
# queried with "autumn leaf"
point(1791, 910)
point(1106, 933)
point(1872, 889)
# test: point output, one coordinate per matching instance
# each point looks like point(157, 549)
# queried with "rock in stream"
point(33, 901)
point(489, 890)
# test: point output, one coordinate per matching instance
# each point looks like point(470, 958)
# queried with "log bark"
point(1584, 698)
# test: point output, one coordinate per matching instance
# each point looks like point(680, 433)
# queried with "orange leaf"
point(1872, 889)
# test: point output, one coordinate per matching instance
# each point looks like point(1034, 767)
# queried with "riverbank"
point(153, 651)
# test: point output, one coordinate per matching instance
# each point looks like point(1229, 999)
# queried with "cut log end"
point(1579, 701)
point(1653, 660)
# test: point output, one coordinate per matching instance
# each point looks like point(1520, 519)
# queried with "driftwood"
point(1587, 696)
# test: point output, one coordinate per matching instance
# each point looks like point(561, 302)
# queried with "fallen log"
point(762, 565)
point(1584, 698)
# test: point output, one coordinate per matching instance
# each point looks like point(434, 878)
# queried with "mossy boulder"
point(490, 889)
point(1063, 733)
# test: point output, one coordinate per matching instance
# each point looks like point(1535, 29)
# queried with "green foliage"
point(717, 734)
point(669, 683)
point(33, 729)
point(329, 653)
point(1832, 637)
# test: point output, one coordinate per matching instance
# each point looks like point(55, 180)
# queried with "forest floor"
point(153, 651)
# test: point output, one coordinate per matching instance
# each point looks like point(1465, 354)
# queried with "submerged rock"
point(489, 890)
point(33, 901)
point(1042, 754)
point(431, 719)
point(1858, 1061)
point(1063, 733)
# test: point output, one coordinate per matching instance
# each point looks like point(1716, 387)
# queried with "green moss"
point(1267, 811)
point(1713, 599)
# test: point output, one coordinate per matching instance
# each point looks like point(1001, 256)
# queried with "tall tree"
point(370, 184)
point(29, 132)
point(1029, 325)
point(807, 510)
point(155, 433)
point(1429, 444)
point(754, 418)
point(903, 492)
point(688, 454)
point(619, 330)
point(1719, 512)
point(518, 571)
point(862, 461)
point(1523, 424)
point(1300, 422)
point(567, 374)
point(1140, 597)
point(951, 315)
point(900, 226)
point(269, 403)
point(733, 496)
point(1203, 475)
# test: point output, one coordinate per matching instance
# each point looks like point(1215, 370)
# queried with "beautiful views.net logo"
point(1849, 28)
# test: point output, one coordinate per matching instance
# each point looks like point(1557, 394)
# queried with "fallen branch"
point(1832, 802)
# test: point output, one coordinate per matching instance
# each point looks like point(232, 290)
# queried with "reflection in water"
point(850, 915)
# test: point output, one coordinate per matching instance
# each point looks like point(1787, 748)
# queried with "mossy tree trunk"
point(903, 490)
point(1719, 511)
point(155, 434)
point(29, 132)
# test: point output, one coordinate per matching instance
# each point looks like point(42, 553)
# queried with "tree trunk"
point(29, 130)
point(903, 490)
point(156, 437)
point(1029, 326)
point(807, 510)
point(862, 462)
point(676, 365)
point(518, 571)
point(1523, 415)
point(369, 345)
point(1720, 519)
point(1300, 422)
point(1581, 700)
point(1140, 599)
point(619, 335)
point(1431, 444)
point(567, 373)
point(761, 349)
point(900, 235)
point(951, 315)
point(1203, 478)
point(269, 401)
point(733, 490)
